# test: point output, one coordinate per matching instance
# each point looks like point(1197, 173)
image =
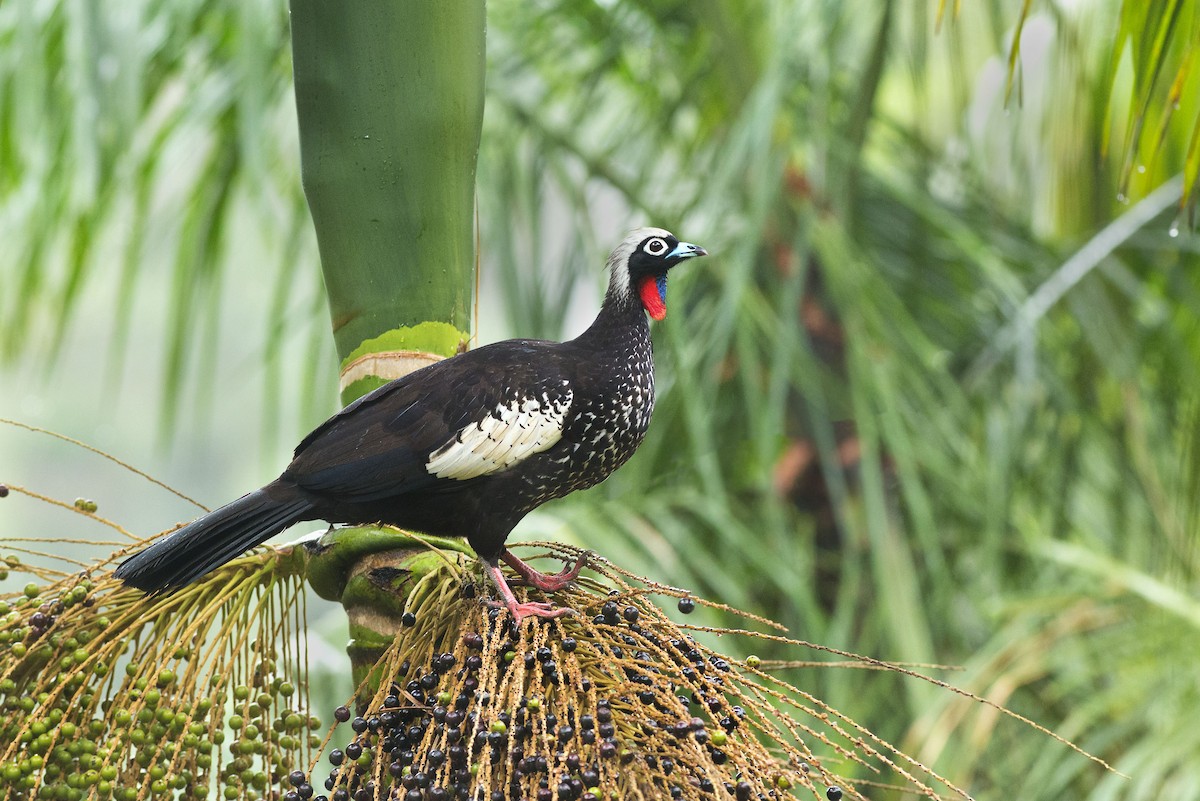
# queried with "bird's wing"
point(474, 415)
point(515, 429)
point(370, 450)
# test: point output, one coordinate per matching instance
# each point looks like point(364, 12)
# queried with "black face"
point(653, 256)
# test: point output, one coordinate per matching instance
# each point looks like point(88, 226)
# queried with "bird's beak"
point(686, 250)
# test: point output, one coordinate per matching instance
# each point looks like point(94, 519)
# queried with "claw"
point(542, 581)
point(521, 610)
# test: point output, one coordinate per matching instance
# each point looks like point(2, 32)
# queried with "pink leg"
point(519, 610)
point(542, 581)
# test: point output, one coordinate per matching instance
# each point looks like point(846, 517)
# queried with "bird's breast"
point(611, 399)
point(608, 422)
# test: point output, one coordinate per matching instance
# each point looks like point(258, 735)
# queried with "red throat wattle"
point(651, 289)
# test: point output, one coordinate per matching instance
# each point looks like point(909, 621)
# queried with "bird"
point(464, 447)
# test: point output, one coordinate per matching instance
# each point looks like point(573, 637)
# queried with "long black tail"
point(205, 544)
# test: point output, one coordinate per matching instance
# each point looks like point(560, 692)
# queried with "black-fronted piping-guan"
point(465, 447)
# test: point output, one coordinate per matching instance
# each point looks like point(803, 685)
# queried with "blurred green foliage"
point(934, 398)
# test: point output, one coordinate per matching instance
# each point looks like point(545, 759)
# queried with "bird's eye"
point(655, 246)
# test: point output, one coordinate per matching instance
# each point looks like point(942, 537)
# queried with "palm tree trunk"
point(390, 101)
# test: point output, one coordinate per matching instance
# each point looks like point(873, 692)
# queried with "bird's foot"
point(544, 582)
point(521, 609)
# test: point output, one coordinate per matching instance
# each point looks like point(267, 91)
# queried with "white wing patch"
point(503, 438)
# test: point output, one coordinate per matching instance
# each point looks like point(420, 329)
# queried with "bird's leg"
point(520, 610)
point(542, 581)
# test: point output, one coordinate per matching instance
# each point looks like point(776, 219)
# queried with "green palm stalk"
point(390, 101)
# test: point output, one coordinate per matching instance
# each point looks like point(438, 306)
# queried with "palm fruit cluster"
point(615, 702)
point(202, 693)
point(109, 695)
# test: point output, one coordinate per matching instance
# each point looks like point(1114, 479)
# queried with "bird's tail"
point(205, 544)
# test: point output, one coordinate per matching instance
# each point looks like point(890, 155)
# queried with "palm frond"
point(121, 133)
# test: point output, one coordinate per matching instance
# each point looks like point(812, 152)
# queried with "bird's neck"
point(620, 324)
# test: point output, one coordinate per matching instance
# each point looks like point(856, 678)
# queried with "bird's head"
point(638, 267)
